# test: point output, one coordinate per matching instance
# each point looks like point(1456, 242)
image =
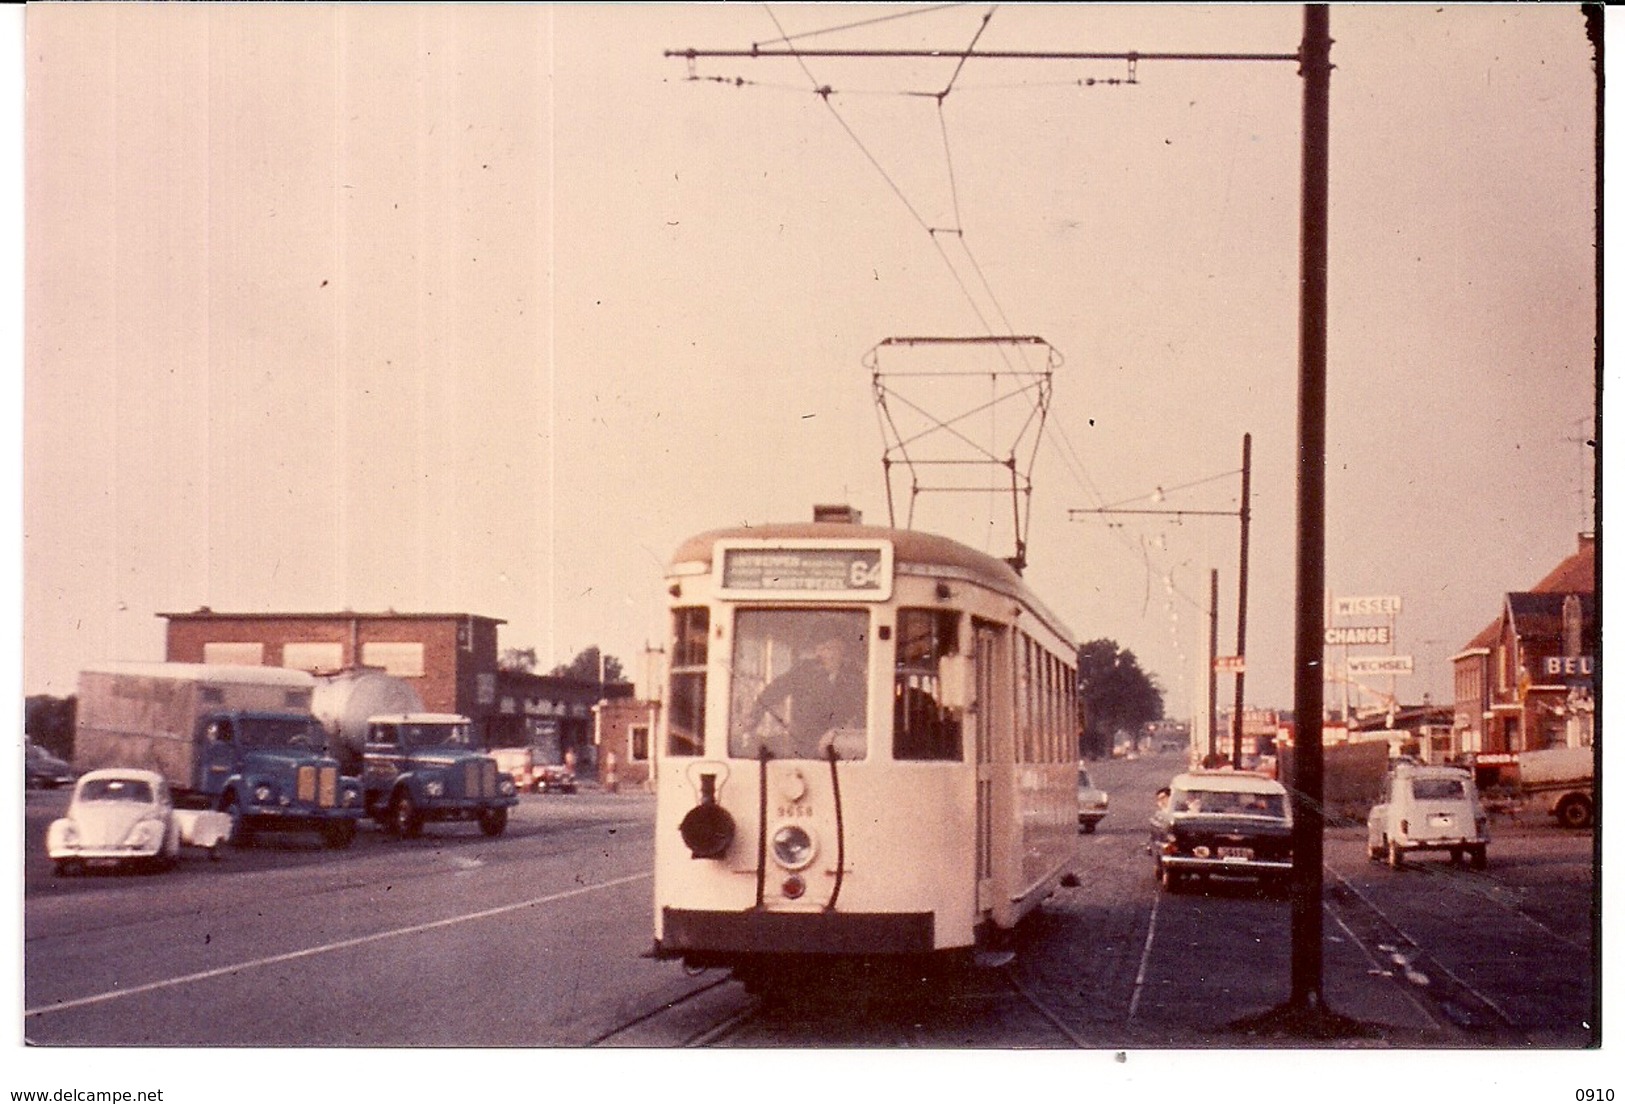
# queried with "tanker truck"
point(415, 766)
point(238, 739)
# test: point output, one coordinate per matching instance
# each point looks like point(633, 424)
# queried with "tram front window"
point(800, 684)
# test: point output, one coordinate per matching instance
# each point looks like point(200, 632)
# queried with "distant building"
point(449, 658)
point(1526, 680)
point(552, 713)
point(627, 727)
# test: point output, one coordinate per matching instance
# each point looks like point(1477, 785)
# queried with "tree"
point(585, 667)
point(49, 722)
point(522, 660)
point(1114, 694)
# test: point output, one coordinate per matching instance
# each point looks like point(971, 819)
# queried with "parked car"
point(1227, 824)
point(1092, 802)
point(555, 778)
point(123, 816)
point(44, 770)
point(1428, 809)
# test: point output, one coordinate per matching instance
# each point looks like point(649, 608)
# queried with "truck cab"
point(268, 770)
point(421, 767)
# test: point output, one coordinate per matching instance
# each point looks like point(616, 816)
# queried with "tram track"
point(1442, 994)
point(664, 1024)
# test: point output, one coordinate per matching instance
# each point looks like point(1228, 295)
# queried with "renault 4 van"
point(1428, 809)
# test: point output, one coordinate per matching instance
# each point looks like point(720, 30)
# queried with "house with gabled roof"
point(1526, 680)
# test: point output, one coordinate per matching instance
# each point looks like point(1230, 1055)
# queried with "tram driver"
point(818, 703)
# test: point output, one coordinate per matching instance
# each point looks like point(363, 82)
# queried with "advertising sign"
point(1380, 605)
point(1568, 667)
point(1230, 665)
point(1362, 634)
point(1381, 665)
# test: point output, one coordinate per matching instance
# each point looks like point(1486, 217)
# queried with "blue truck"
point(239, 739)
point(423, 767)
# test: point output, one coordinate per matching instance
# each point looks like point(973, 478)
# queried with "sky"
point(484, 309)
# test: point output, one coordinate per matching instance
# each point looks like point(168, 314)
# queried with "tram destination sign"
point(847, 570)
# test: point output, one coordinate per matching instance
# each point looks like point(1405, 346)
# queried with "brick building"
point(449, 658)
point(1525, 681)
point(626, 726)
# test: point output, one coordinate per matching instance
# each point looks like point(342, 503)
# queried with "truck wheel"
point(1396, 856)
point(338, 834)
point(1574, 812)
point(242, 831)
point(404, 818)
point(1480, 857)
point(493, 821)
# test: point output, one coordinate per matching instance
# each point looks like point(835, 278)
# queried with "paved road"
point(534, 939)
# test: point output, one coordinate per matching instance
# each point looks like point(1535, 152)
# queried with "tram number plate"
point(1243, 853)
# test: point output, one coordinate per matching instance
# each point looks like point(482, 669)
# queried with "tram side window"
point(685, 726)
point(921, 727)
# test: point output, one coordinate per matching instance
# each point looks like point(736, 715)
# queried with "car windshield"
point(1229, 803)
point(116, 789)
point(435, 735)
point(1438, 789)
point(278, 732)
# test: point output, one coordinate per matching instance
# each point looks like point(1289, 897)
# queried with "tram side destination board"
point(841, 570)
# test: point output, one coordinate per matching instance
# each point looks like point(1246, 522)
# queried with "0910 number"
point(1594, 1096)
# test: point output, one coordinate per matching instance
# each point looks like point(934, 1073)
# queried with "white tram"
point(869, 750)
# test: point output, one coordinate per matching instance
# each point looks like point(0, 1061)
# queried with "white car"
point(125, 816)
point(1092, 802)
point(1428, 809)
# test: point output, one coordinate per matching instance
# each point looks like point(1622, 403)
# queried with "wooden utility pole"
point(1308, 778)
point(1241, 597)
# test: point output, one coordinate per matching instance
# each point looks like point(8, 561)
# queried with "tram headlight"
point(707, 830)
point(793, 847)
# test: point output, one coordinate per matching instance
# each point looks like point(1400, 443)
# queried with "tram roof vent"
point(842, 515)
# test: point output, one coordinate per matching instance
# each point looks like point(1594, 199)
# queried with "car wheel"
point(64, 867)
point(1396, 856)
point(404, 817)
point(1373, 851)
point(493, 821)
point(1088, 827)
point(1481, 857)
point(1574, 812)
point(1168, 879)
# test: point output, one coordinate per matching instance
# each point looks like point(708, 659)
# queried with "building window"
point(403, 659)
point(640, 742)
point(313, 655)
point(235, 653)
